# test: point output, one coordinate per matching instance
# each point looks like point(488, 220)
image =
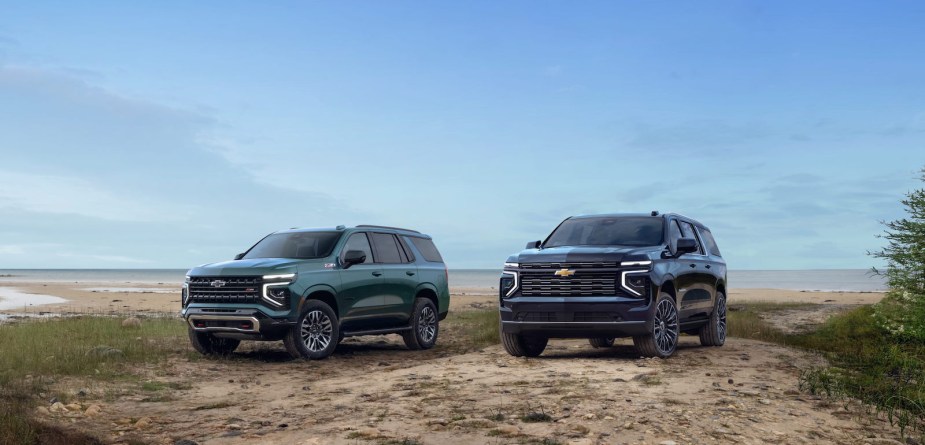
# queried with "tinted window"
point(608, 231)
point(675, 230)
point(386, 248)
point(358, 241)
point(409, 256)
point(709, 242)
point(427, 249)
point(688, 231)
point(299, 245)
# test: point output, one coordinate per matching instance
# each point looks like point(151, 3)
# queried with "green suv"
point(311, 288)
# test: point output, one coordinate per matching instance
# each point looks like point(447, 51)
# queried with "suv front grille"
point(587, 281)
point(225, 289)
point(552, 267)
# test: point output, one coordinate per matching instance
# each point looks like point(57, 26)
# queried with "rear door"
point(400, 277)
point(699, 294)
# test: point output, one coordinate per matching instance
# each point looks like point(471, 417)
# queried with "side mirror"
point(686, 245)
point(238, 256)
point(354, 257)
point(534, 244)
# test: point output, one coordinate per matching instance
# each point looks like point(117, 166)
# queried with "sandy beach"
point(88, 297)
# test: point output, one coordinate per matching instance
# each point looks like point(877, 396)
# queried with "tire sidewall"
point(658, 301)
point(296, 333)
point(719, 340)
point(416, 322)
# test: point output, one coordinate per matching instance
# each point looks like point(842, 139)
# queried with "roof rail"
point(386, 227)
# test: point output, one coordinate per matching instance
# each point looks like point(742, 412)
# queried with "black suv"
point(648, 276)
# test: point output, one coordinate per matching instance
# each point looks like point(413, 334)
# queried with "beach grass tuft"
point(85, 346)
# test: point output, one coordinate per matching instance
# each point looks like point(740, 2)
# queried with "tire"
point(714, 332)
point(663, 340)
point(208, 344)
point(424, 326)
point(316, 334)
point(523, 346)
point(601, 342)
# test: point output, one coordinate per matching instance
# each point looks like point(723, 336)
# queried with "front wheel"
point(714, 332)
point(523, 346)
point(316, 334)
point(601, 342)
point(664, 337)
point(208, 344)
point(424, 326)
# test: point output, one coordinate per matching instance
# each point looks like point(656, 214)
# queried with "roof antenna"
point(655, 213)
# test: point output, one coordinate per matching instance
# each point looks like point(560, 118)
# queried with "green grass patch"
point(85, 346)
point(478, 328)
point(866, 363)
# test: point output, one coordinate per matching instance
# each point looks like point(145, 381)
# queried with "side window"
point(709, 242)
point(688, 231)
point(358, 241)
point(409, 256)
point(386, 248)
point(674, 232)
point(427, 249)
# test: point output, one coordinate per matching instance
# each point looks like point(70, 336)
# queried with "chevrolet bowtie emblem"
point(564, 273)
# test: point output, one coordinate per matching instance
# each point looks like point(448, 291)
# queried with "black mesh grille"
point(225, 289)
point(584, 265)
point(586, 279)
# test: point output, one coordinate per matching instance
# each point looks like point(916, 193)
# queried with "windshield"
point(300, 245)
point(608, 231)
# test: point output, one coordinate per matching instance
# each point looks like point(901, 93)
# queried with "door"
point(361, 284)
point(400, 277)
point(683, 274)
point(702, 285)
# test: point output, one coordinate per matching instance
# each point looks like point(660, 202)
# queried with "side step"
point(377, 331)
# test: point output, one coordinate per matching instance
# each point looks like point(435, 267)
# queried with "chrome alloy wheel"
point(427, 325)
point(666, 327)
point(316, 331)
point(721, 320)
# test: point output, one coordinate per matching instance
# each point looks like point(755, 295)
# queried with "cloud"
point(74, 196)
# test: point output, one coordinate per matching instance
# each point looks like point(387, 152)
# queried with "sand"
point(744, 392)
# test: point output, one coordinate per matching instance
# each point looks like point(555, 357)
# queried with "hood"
point(582, 254)
point(255, 266)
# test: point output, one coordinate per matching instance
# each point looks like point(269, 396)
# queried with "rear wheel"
point(714, 332)
point(601, 342)
point(424, 326)
point(664, 337)
point(316, 334)
point(208, 344)
point(522, 345)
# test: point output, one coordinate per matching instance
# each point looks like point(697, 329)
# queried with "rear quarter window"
point(427, 248)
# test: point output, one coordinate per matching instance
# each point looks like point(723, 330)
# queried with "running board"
point(377, 331)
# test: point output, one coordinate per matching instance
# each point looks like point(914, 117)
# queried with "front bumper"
point(576, 317)
point(241, 323)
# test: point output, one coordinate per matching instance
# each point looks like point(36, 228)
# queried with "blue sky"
point(173, 134)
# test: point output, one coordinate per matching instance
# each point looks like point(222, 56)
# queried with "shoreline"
point(109, 297)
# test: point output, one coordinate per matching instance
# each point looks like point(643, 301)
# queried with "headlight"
point(184, 292)
point(510, 279)
point(276, 288)
point(635, 281)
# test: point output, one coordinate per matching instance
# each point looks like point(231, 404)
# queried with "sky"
point(171, 134)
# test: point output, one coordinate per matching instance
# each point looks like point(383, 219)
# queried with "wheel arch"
point(321, 293)
point(427, 290)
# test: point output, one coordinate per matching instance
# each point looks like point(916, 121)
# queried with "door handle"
point(409, 273)
point(707, 266)
point(377, 273)
point(693, 266)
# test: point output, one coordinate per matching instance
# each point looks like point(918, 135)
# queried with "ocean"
point(859, 280)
